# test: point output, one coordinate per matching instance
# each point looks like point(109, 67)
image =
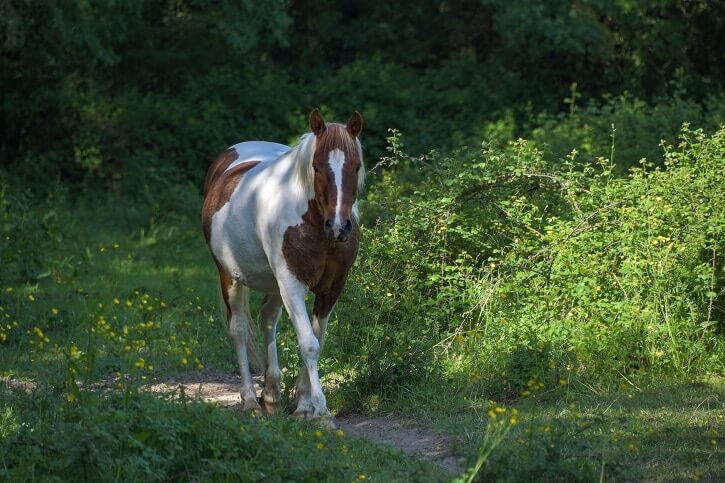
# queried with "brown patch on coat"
point(320, 264)
point(221, 186)
point(218, 167)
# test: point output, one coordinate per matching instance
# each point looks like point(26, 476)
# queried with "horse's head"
point(338, 171)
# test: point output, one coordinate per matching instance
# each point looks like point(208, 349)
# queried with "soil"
point(398, 433)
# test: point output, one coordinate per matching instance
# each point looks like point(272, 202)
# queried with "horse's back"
point(257, 151)
point(262, 151)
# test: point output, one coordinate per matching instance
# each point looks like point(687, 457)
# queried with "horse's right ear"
point(317, 124)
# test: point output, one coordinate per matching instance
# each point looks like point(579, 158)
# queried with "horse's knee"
point(310, 349)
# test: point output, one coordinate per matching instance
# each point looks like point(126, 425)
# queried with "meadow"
point(541, 272)
point(581, 370)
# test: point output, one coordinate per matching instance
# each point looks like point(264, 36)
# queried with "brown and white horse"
point(283, 221)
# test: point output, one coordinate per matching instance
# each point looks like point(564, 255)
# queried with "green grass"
point(645, 430)
point(87, 299)
point(130, 437)
point(91, 309)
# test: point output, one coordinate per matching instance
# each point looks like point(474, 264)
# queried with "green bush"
point(506, 269)
point(634, 127)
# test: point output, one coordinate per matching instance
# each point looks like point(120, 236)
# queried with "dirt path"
point(424, 443)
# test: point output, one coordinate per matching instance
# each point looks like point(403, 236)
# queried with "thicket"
point(127, 95)
point(503, 273)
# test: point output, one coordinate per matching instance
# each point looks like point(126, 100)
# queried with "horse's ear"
point(317, 124)
point(354, 124)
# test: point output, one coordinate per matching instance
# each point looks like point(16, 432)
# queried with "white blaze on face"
point(336, 162)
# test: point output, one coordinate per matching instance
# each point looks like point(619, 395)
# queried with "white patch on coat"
point(257, 151)
point(336, 162)
point(247, 232)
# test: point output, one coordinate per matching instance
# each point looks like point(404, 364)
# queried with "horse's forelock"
point(334, 137)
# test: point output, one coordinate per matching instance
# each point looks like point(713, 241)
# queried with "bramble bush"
point(504, 268)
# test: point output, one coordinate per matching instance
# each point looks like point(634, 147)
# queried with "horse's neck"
point(279, 195)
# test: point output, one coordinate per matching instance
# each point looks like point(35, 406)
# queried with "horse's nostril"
point(328, 223)
point(348, 226)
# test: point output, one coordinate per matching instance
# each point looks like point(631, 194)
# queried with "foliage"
point(521, 271)
point(489, 273)
point(642, 430)
point(634, 127)
point(123, 95)
point(110, 437)
point(498, 264)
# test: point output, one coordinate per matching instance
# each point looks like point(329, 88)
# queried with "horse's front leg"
point(320, 316)
point(293, 295)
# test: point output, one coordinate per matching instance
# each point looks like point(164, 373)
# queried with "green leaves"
point(617, 274)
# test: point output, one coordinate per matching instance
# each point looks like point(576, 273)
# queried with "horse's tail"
point(256, 360)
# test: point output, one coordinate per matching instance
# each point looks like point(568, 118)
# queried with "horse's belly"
point(239, 251)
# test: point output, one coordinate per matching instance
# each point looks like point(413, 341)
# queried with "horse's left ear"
point(317, 124)
point(354, 124)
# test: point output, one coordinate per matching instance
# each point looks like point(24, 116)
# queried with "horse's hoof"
point(254, 413)
point(302, 413)
point(251, 408)
point(326, 422)
point(270, 408)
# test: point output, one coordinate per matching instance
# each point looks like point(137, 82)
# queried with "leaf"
point(142, 436)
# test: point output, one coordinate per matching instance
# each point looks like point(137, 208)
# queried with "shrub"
point(507, 268)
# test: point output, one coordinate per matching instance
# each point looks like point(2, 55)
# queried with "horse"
point(284, 222)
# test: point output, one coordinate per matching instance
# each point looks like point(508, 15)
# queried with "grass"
point(88, 298)
point(90, 311)
point(649, 430)
point(131, 437)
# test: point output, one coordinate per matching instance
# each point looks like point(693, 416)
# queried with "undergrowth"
point(489, 274)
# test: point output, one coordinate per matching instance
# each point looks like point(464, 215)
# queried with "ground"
point(399, 433)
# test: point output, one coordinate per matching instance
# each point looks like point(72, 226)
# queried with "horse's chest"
point(315, 261)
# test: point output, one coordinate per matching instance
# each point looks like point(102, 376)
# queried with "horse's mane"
point(302, 154)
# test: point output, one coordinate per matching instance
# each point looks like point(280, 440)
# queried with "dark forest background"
point(100, 94)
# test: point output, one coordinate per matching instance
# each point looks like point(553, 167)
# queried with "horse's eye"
point(357, 170)
point(315, 169)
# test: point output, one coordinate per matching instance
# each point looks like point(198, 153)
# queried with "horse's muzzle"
point(338, 232)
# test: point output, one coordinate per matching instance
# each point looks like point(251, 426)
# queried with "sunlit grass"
point(102, 312)
point(117, 309)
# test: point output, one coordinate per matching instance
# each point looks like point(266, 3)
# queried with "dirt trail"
point(426, 444)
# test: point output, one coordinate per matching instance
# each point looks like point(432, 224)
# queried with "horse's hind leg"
point(236, 299)
point(271, 394)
